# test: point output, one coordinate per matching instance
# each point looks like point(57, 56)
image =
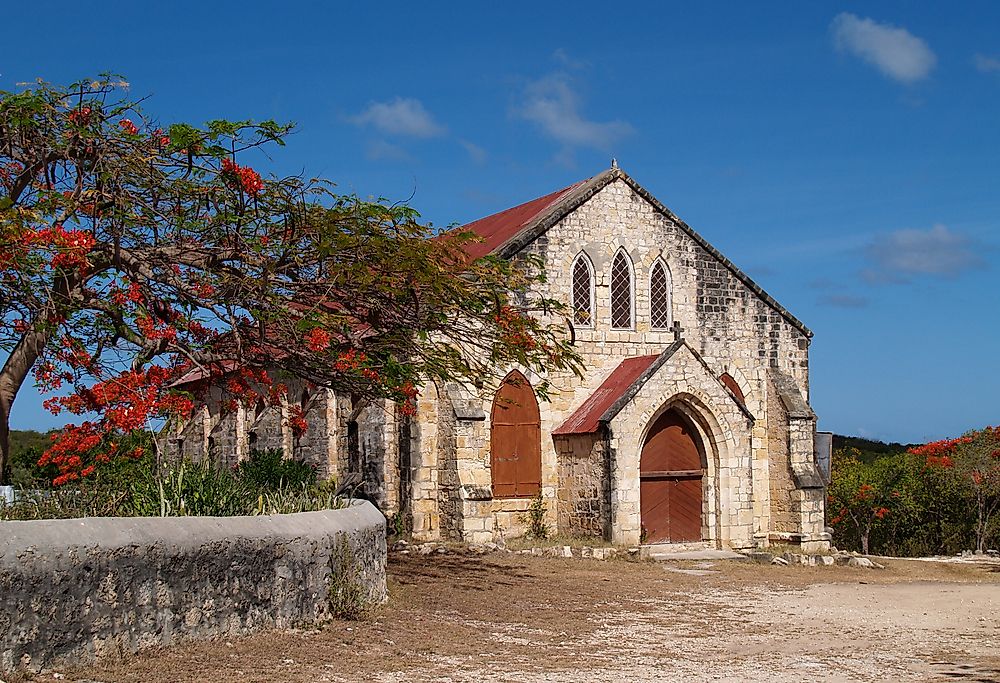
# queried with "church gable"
point(538, 225)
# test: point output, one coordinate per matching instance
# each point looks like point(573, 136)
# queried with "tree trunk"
point(981, 526)
point(864, 540)
point(4, 440)
point(12, 377)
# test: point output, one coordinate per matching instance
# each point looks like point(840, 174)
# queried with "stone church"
point(692, 423)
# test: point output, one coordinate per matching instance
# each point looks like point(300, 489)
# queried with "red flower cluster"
point(317, 339)
point(70, 246)
point(243, 177)
point(126, 402)
point(943, 461)
point(129, 127)
point(514, 329)
point(80, 117)
point(408, 405)
point(350, 361)
point(940, 448)
point(297, 420)
point(162, 139)
point(9, 171)
point(204, 290)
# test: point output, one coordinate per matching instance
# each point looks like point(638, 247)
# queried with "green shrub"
point(895, 504)
point(535, 518)
point(270, 469)
point(141, 488)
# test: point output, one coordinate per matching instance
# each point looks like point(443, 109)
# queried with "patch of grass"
point(347, 596)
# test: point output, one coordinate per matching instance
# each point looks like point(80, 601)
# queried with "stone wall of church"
point(228, 433)
point(583, 499)
point(425, 510)
point(730, 325)
point(785, 513)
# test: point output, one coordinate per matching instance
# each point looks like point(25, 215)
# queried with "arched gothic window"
point(583, 291)
point(659, 296)
point(621, 291)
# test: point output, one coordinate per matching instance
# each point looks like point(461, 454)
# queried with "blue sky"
point(844, 155)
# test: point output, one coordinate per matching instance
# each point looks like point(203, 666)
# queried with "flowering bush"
point(940, 497)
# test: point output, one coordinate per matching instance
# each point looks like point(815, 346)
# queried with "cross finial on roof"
point(614, 163)
point(677, 329)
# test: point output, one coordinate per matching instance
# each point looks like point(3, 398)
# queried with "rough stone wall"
point(784, 506)
point(227, 434)
point(314, 446)
point(425, 510)
point(76, 589)
point(377, 456)
point(584, 496)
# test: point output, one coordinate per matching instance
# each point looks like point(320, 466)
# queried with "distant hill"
point(23, 439)
point(870, 445)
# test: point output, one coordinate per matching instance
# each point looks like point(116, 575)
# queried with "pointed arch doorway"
point(671, 478)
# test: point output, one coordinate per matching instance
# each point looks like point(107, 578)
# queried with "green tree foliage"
point(939, 498)
point(133, 254)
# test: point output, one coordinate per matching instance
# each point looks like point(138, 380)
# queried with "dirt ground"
point(520, 618)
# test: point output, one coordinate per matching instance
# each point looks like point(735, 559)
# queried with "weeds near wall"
point(534, 518)
point(348, 598)
point(261, 485)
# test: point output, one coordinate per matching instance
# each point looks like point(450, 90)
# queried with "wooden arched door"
point(516, 440)
point(670, 482)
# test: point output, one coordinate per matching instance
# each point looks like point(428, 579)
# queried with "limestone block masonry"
point(76, 589)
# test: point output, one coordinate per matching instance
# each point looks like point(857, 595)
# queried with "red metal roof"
point(500, 227)
point(587, 417)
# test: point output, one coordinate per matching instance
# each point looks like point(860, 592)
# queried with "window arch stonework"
point(622, 292)
point(583, 291)
point(660, 297)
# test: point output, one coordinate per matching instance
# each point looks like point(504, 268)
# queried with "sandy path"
point(516, 618)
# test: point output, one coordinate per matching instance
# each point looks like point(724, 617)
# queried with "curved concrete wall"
point(81, 588)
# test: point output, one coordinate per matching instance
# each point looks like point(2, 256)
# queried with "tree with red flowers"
point(974, 459)
point(863, 496)
point(133, 254)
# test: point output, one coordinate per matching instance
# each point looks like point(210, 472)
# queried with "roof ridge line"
point(588, 188)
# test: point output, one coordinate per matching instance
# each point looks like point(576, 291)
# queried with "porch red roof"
point(587, 417)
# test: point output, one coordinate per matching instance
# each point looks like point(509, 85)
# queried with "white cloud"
point(476, 153)
point(936, 251)
point(896, 52)
point(401, 116)
point(381, 150)
point(564, 58)
point(987, 64)
point(554, 106)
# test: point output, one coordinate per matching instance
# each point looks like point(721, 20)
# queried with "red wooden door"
point(670, 482)
point(516, 440)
